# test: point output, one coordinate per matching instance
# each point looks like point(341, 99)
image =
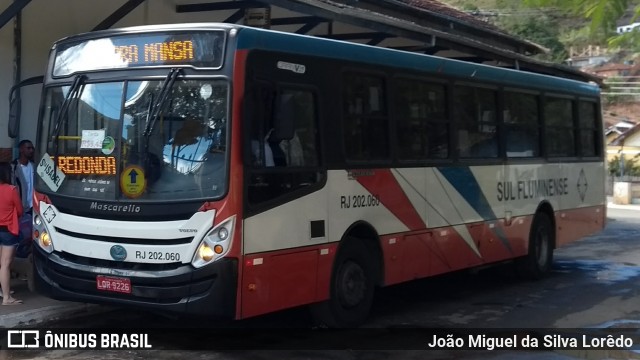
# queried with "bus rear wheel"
point(537, 263)
point(352, 288)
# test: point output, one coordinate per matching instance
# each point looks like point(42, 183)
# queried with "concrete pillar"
point(622, 193)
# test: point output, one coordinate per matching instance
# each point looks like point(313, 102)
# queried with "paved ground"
point(37, 309)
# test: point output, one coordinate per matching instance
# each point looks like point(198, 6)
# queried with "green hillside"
point(473, 4)
point(559, 31)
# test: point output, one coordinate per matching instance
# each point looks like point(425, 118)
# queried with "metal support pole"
point(17, 63)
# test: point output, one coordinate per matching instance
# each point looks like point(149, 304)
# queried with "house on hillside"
point(626, 28)
point(620, 81)
point(614, 131)
point(625, 145)
point(587, 57)
point(627, 22)
point(610, 70)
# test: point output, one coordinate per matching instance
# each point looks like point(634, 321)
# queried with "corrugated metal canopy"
point(430, 26)
point(437, 28)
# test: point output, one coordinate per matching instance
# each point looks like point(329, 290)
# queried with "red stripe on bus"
point(386, 187)
point(235, 194)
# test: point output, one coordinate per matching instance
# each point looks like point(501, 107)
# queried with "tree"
point(539, 29)
point(603, 15)
point(630, 168)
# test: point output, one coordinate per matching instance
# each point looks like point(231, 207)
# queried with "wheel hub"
point(352, 284)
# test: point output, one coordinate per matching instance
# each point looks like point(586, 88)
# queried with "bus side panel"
point(438, 251)
point(583, 202)
point(419, 255)
point(284, 279)
point(325, 269)
point(517, 233)
point(402, 252)
point(492, 242)
point(578, 223)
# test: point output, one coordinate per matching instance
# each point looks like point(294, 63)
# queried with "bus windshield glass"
point(199, 49)
point(108, 148)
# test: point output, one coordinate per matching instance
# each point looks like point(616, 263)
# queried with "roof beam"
point(308, 22)
point(295, 20)
point(411, 48)
point(358, 36)
point(117, 15)
point(378, 39)
point(216, 6)
point(308, 27)
point(11, 11)
point(235, 17)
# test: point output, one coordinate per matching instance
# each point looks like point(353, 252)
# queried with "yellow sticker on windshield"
point(132, 181)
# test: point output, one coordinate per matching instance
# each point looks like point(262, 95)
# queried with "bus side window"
point(288, 156)
point(522, 124)
point(421, 119)
point(475, 117)
point(365, 117)
point(559, 127)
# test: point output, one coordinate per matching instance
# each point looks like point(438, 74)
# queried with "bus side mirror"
point(14, 117)
point(284, 119)
point(15, 104)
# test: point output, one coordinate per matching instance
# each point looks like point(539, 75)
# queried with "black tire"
point(352, 288)
point(537, 263)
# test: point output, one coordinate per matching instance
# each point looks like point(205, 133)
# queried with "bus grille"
point(121, 240)
point(120, 265)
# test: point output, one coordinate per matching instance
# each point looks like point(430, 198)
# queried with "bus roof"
point(255, 38)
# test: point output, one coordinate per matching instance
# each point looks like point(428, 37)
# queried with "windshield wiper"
point(151, 161)
point(74, 92)
point(166, 87)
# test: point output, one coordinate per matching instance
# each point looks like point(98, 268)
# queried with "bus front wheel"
point(352, 287)
point(537, 263)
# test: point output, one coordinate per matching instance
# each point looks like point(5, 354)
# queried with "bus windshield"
point(127, 140)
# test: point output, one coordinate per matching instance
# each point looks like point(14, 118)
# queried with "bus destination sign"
point(161, 52)
point(199, 49)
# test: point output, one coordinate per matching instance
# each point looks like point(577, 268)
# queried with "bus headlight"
point(205, 252)
point(215, 244)
point(41, 234)
point(44, 240)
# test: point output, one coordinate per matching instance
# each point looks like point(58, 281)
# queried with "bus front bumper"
point(171, 288)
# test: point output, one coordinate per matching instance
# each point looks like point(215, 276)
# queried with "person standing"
point(23, 170)
point(10, 211)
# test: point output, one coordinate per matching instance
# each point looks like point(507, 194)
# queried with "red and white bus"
point(216, 169)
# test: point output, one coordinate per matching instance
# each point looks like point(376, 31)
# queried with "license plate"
point(113, 284)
